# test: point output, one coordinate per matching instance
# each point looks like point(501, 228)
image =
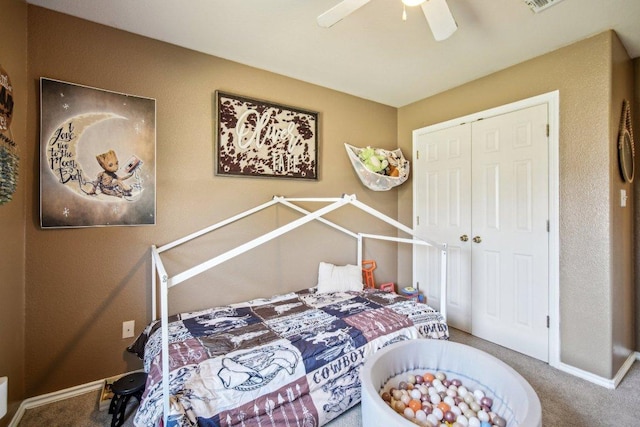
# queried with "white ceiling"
point(372, 53)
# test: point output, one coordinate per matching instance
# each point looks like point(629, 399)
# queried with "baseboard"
point(601, 381)
point(34, 402)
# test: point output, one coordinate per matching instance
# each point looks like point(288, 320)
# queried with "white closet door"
point(442, 176)
point(510, 289)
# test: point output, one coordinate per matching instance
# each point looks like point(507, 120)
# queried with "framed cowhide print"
point(256, 138)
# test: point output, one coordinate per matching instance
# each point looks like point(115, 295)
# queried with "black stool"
point(123, 389)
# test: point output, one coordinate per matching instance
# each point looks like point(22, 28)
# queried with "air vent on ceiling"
point(540, 5)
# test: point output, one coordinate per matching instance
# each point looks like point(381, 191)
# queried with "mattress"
point(291, 360)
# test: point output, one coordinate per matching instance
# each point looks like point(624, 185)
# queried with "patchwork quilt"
point(291, 360)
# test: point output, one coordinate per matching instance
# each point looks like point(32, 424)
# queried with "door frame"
point(552, 99)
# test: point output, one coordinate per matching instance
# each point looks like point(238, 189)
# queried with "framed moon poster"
point(262, 139)
point(97, 157)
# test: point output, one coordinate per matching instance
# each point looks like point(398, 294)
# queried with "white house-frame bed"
point(161, 282)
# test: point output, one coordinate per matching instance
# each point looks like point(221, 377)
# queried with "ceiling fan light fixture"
point(440, 19)
point(413, 2)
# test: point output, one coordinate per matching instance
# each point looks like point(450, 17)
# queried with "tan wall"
point(13, 58)
point(582, 73)
point(83, 283)
point(622, 230)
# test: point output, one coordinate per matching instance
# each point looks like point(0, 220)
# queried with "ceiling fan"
point(437, 13)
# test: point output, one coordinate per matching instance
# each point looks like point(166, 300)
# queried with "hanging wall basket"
point(378, 169)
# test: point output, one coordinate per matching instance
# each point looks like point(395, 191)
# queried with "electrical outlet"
point(623, 198)
point(127, 328)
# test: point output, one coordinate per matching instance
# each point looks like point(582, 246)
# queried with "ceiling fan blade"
point(339, 12)
point(439, 18)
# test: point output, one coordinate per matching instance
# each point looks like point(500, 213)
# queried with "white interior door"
point(488, 180)
point(442, 175)
point(510, 187)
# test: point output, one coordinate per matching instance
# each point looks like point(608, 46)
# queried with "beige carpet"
point(567, 401)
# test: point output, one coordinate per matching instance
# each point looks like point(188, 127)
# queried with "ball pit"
point(482, 375)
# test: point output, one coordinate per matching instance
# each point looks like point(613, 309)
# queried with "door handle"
point(477, 239)
point(464, 237)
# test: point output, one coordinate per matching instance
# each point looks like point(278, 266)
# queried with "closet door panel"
point(509, 222)
point(442, 177)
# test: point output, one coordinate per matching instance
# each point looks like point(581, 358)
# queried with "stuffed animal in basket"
point(379, 161)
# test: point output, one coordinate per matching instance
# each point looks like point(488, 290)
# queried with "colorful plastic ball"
point(499, 421)
point(450, 417)
point(415, 405)
point(462, 391)
point(486, 401)
point(483, 416)
point(443, 406)
point(408, 412)
point(421, 415)
point(474, 422)
point(469, 413)
point(462, 420)
point(433, 420)
point(437, 412)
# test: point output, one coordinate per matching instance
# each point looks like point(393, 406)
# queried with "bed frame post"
point(359, 255)
point(154, 301)
point(164, 309)
point(443, 282)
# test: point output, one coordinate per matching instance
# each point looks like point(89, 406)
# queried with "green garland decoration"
point(9, 161)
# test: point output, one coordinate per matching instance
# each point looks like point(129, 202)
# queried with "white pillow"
point(333, 278)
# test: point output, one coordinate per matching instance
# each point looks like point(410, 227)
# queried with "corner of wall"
point(13, 33)
point(635, 114)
